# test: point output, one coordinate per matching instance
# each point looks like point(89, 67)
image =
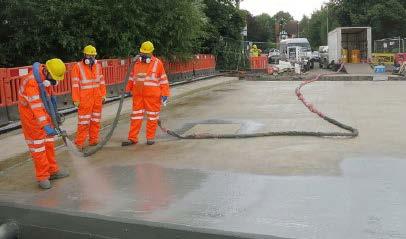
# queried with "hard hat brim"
point(146, 52)
point(90, 54)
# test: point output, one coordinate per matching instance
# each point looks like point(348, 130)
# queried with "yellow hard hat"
point(90, 50)
point(254, 46)
point(147, 47)
point(56, 68)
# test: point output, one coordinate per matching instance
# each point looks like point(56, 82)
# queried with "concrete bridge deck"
point(289, 187)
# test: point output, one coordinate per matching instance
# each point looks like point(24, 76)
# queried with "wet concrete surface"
point(294, 187)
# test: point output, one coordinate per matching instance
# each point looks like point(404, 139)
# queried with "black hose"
point(100, 145)
point(351, 132)
point(9, 230)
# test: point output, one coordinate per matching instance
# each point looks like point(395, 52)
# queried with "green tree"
point(283, 17)
point(222, 37)
point(265, 28)
point(41, 29)
point(304, 27)
point(387, 18)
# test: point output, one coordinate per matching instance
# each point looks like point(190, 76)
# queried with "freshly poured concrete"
point(295, 187)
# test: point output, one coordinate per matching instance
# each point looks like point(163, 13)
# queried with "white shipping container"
point(349, 38)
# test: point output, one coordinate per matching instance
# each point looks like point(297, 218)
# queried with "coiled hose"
point(351, 132)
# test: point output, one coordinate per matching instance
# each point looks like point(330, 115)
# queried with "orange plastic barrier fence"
point(259, 63)
point(2, 91)
point(12, 81)
point(114, 71)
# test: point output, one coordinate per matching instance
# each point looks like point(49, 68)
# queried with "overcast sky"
point(297, 8)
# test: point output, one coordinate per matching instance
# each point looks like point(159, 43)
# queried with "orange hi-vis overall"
point(88, 88)
point(147, 83)
point(34, 117)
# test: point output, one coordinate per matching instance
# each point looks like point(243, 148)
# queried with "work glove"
point(76, 103)
point(164, 100)
point(50, 130)
point(104, 100)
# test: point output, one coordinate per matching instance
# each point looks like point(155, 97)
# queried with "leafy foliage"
point(223, 33)
point(386, 17)
point(38, 30)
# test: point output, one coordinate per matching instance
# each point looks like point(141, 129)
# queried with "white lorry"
point(297, 51)
point(347, 39)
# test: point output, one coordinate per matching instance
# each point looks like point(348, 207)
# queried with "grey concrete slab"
point(222, 128)
point(294, 187)
point(360, 68)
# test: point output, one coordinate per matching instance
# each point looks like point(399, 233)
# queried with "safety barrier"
point(259, 63)
point(11, 84)
point(204, 64)
point(64, 88)
point(383, 58)
point(114, 71)
point(114, 85)
point(400, 58)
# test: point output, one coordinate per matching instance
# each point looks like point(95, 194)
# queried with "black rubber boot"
point(150, 142)
point(128, 143)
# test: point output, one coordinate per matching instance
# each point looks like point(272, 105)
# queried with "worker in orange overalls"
point(149, 87)
point(88, 94)
point(36, 123)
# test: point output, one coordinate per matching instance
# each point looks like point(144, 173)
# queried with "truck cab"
point(297, 51)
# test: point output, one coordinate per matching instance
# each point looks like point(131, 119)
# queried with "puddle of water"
point(245, 126)
point(367, 200)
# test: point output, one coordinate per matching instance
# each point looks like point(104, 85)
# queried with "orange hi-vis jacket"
point(88, 88)
point(87, 82)
point(153, 83)
point(29, 99)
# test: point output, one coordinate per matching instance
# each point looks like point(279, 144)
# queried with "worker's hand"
point(135, 58)
point(164, 100)
point(104, 100)
point(50, 130)
point(76, 103)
